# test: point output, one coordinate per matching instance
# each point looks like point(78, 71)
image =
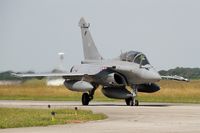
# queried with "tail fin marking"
point(89, 48)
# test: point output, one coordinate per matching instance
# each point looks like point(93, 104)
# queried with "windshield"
point(134, 56)
point(141, 59)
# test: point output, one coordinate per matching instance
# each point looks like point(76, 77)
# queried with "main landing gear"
point(87, 97)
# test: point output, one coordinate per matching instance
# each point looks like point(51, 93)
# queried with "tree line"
point(190, 73)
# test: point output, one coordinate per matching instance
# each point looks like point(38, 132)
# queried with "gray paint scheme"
point(131, 69)
point(89, 48)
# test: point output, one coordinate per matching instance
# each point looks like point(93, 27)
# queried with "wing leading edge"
point(80, 71)
point(52, 75)
point(178, 78)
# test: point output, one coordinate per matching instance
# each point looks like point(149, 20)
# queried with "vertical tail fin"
point(89, 48)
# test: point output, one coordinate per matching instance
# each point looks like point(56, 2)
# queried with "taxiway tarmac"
point(147, 118)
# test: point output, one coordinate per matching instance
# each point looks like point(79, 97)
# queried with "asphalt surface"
point(147, 118)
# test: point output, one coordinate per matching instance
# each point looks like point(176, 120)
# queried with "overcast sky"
point(32, 32)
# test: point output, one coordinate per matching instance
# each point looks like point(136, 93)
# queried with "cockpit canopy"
point(134, 56)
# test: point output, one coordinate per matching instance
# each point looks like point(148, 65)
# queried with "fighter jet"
point(120, 78)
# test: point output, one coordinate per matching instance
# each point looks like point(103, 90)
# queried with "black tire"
point(129, 102)
point(136, 103)
point(85, 99)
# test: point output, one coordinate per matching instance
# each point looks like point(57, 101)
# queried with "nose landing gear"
point(132, 101)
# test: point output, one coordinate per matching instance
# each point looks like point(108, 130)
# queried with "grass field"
point(175, 91)
point(15, 117)
point(171, 91)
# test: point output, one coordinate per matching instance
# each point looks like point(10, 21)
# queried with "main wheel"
point(85, 99)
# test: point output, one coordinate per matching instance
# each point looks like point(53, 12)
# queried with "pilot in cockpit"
point(136, 57)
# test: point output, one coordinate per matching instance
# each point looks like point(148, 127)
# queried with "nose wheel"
point(131, 102)
point(136, 103)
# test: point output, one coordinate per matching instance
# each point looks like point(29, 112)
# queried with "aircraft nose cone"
point(156, 76)
point(152, 76)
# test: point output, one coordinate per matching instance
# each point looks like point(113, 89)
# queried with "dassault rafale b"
point(120, 78)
